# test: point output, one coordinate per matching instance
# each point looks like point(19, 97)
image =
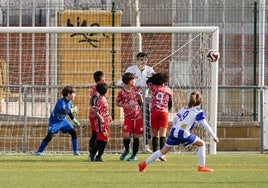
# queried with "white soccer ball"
point(213, 55)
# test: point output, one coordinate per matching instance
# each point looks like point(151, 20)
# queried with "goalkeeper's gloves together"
point(77, 123)
point(74, 109)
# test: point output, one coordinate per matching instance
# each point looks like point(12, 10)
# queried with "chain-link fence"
point(29, 62)
point(239, 22)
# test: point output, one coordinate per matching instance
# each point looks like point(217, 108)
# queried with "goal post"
point(214, 92)
point(183, 57)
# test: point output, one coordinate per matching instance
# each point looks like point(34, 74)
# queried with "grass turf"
point(231, 170)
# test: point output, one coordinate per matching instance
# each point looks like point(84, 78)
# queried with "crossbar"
point(108, 29)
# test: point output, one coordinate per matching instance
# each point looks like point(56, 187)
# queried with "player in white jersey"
point(142, 72)
point(180, 133)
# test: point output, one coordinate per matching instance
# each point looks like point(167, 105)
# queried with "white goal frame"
point(215, 46)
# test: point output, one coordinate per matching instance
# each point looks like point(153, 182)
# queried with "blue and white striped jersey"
point(187, 118)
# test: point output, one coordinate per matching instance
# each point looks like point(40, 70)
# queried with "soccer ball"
point(213, 55)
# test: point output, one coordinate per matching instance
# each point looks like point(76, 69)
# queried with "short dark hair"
point(98, 76)
point(141, 54)
point(127, 77)
point(102, 88)
point(67, 90)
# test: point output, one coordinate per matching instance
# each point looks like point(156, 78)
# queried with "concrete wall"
point(238, 136)
point(234, 136)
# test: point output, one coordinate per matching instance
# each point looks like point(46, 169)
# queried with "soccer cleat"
point(123, 156)
point(92, 158)
point(147, 149)
point(89, 152)
point(163, 158)
point(204, 169)
point(91, 155)
point(76, 153)
point(38, 153)
point(132, 158)
point(142, 166)
point(99, 159)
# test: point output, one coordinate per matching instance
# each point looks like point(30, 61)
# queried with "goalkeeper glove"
point(74, 109)
point(76, 122)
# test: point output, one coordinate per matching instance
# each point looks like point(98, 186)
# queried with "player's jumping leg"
point(74, 141)
point(101, 147)
point(44, 143)
point(126, 143)
point(151, 158)
point(162, 144)
point(75, 147)
point(136, 143)
point(92, 142)
point(201, 160)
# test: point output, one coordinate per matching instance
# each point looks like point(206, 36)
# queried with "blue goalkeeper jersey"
point(61, 110)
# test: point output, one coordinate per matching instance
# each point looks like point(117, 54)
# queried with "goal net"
point(37, 62)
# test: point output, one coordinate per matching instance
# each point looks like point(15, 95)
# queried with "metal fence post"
point(25, 128)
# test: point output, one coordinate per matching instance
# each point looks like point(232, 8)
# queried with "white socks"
point(202, 156)
point(153, 157)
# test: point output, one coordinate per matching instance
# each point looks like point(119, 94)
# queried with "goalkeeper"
point(58, 121)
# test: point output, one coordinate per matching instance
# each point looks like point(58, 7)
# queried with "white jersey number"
point(160, 97)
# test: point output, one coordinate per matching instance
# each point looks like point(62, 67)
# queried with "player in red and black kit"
point(130, 99)
point(160, 105)
point(102, 123)
point(93, 97)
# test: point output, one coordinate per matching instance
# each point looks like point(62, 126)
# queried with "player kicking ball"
point(180, 133)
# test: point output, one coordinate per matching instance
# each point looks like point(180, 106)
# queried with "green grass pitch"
point(66, 170)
